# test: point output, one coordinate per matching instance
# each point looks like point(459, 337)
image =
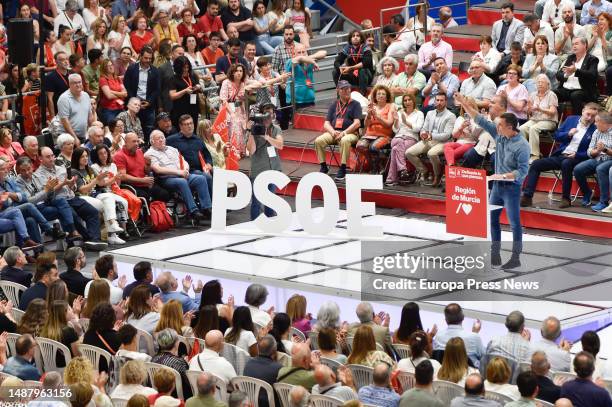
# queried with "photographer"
point(264, 139)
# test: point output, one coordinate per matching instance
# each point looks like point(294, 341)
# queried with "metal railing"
point(13, 100)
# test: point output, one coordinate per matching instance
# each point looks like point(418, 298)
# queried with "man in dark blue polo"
point(583, 391)
point(193, 150)
point(45, 275)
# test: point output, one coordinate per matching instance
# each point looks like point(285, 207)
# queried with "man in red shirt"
point(211, 21)
point(130, 162)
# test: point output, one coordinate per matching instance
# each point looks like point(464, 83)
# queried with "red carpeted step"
point(463, 43)
point(308, 121)
point(306, 155)
point(487, 16)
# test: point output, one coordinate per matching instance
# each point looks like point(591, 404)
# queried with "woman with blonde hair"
point(143, 309)
point(217, 148)
point(171, 316)
point(98, 38)
point(131, 378)
point(296, 309)
point(364, 350)
point(498, 378)
point(93, 11)
point(57, 328)
point(455, 366)
point(34, 318)
point(119, 37)
point(80, 370)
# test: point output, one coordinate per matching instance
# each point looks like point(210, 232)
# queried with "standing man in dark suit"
point(166, 72)
point(578, 77)
point(13, 271)
point(142, 80)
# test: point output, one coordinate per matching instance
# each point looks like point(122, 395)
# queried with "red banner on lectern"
point(466, 201)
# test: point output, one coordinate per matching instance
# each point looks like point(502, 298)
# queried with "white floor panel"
point(282, 246)
point(342, 279)
point(247, 264)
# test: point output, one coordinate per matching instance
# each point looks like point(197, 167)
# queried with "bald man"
point(210, 360)
point(474, 394)
point(446, 17)
point(563, 403)
point(327, 384)
point(298, 397)
point(300, 357)
point(206, 393)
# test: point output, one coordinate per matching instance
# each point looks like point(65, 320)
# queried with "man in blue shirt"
point(511, 166)
point(582, 391)
point(21, 365)
point(168, 284)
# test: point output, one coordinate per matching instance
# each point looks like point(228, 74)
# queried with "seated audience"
point(566, 31)
point(455, 366)
point(255, 296)
point(22, 365)
point(516, 93)
point(422, 393)
point(478, 86)
point(75, 260)
point(488, 55)
point(164, 382)
point(599, 162)
point(304, 376)
point(106, 268)
point(168, 343)
point(366, 316)
point(387, 68)
point(378, 127)
point(243, 333)
point(547, 389)
point(101, 331)
point(379, 393)
point(542, 110)
point(264, 366)
point(45, 275)
point(582, 391)
point(132, 376)
point(534, 28)
point(299, 16)
point(171, 316)
point(143, 275)
point(14, 270)
point(142, 309)
point(515, 344)
point(206, 389)
point(436, 131)
point(296, 310)
point(498, 378)
point(34, 318)
point(515, 57)
point(407, 127)
point(465, 135)
point(474, 394)
point(341, 388)
point(578, 76)
point(420, 349)
point(128, 337)
point(598, 44)
point(527, 384)
point(168, 285)
point(364, 350)
point(354, 63)
point(540, 61)
point(507, 30)
point(341, 124)
point(328, 345)
point(558, 355)
point(281, 331)
point(209, 358)
point(409, 82)
point(441, 81)
point(592, 344)
point(58, 328)
point(436, 48)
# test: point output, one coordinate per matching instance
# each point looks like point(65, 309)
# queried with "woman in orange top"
point(379, 125)
point(141, 36)
point(49, 39)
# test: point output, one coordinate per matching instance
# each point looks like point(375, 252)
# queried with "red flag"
point(220, 127)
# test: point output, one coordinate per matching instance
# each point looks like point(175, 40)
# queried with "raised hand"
point(122, 281)
point(187, 283)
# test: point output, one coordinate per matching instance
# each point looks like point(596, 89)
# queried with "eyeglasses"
point(512, 73)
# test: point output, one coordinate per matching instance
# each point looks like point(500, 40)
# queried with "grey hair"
point(71, 255)
point(92, 130)
point(365, 312)
point(52, 380)
point(11, 254)
point(133, 99)
point(545, 77)
point(568, 7)
point(267, 346)
point(205, 383)
point(583, 40)
point(298, 397)
point(166, 339)
point(63, 139)
point(73, 76)
point(437, 25)
point(412, 57)
point(164, 281)
point(605, 117)
point(551, 334)
point(256, 295)
point(386, 60)
point(328, 315)
point(71, 5)
point(236, 399)
point(28, 139)
point(515, 321)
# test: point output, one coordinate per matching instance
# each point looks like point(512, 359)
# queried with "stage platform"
point(331, 268)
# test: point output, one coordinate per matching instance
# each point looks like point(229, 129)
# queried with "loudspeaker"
point(20, 41)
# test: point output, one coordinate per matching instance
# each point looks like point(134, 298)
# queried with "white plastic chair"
point(495, 396)
point(331, 363)
point(149, 343)
point(283, 390)
point(283, 359)
point(12, 291)
point(119, 402)
point(314, 340)
point(237, 357)
point(544, 403)
point(403, 351)
point(18, 314)
point(446, 391)
point(407, 380)
point(153, 367)
point(220, 394)
point(252, 387)
point(321, 400)
point(298, 333)
point(94, 354)
point(48, 349)
point(11, 339)
point(192, 340)
point(565, 376)
point(362, 375)
point(185, 342)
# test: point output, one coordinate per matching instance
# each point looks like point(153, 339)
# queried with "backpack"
point(160, 219)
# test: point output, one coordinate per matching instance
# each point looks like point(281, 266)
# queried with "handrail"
point(406, 8)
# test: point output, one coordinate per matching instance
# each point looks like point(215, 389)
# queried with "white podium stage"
point(329, 268)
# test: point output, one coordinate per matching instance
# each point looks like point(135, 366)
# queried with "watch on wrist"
point(504, 176)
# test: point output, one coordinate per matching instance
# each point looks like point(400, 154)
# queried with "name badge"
point(193, 99)
point(271, 151)
point(339, 123)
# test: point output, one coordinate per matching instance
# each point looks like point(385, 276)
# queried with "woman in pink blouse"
point(516, 93)
point(296, 309)
point(9, 148)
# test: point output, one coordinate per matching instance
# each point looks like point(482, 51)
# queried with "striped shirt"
point(511, 346)
point(606, 139)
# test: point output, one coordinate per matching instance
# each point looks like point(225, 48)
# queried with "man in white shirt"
point(209, 360)
point(405, 41)
point(106, 268)
point(70, 18)
point(557, 355)
point(534, 27)
point(478, 86)
point(552, 11)
point(255, 296)
point(566, 32)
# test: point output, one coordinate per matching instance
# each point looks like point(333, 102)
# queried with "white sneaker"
point(607, 209)
point(113, 227)
point(114, 239)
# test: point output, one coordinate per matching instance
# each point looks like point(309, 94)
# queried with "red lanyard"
point(235, 92)
point(62, 76)
point(340, 113)
point(188, 83)
point(230, 60)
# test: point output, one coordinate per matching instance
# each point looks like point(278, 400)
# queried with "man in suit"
point(13, 271)
point(574, 137)
point(365, 314)
point(144, 72)
point(548, 390)
point(507, 30)
point(578, 76)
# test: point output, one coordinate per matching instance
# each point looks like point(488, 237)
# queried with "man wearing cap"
point(341, 125)
point(263, 143)
point(164, 124)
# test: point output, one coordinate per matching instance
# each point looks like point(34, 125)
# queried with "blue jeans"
point(592, 166)
point(106, 115)
point(558, 162)
point(508, 195)
point(58, 208)
point(34, 220)
point(263, 45)
point(12, 219)
point(90, 215)
point(197, 183)
point(256, 205)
